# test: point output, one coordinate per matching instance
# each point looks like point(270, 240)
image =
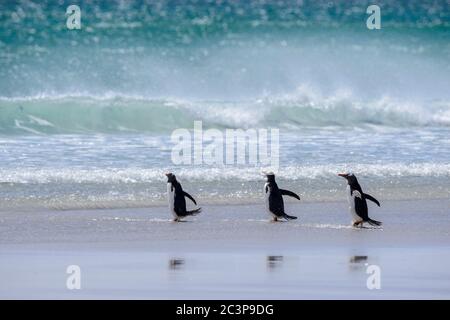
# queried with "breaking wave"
point(233, 174)
point(87, 114)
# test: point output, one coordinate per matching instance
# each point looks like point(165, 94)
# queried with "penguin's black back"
point(360, 203)
point(276, 204)
point(179, 201)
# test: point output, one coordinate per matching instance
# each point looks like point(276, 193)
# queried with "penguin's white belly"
point(351, 204)
point(171, 199)
point(266, 200)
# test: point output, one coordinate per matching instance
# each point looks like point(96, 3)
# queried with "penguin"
point(177, 202)
point(274, 198)
point(357, 202)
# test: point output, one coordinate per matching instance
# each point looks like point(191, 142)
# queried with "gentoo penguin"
point(177, 203)
point(357, 201)
point(274, 198)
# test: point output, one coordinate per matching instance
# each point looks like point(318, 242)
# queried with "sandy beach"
point(227, 252)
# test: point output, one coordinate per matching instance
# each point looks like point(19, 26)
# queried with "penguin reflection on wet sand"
point(357, 202)
point(274, 198)
point(176, 197)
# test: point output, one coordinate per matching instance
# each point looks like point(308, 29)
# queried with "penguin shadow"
point(176, 264)
point(181, 221)
point(277, 221)
point(366, 228)
point(358, 262)
point(274, 262)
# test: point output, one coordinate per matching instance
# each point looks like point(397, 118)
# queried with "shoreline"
point(104, 225)
point(222, 202)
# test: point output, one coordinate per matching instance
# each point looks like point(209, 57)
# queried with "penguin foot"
point(358, 224)
point(275, 219)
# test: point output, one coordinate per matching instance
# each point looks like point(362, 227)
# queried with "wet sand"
point(228, 252)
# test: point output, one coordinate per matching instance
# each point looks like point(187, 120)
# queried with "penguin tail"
point(193, 212)
point(288, 217)
point(374, 222)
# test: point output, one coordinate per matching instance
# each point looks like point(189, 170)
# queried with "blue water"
point(86, 115)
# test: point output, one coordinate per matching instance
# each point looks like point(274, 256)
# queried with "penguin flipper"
point(189, 196)
point(374, 222)
point(369, 197)
point(289, 193)
point(193, 212)
point(288, 217)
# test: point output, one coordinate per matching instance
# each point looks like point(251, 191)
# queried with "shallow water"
point(108, 171)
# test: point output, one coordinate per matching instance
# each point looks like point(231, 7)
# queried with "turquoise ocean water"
point(86, 115)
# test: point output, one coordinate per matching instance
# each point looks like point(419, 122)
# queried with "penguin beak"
point(168, 175)
point(344, 175)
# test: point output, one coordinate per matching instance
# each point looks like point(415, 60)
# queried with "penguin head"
point(270, 176)
point(170, 177)
point(351, 178)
